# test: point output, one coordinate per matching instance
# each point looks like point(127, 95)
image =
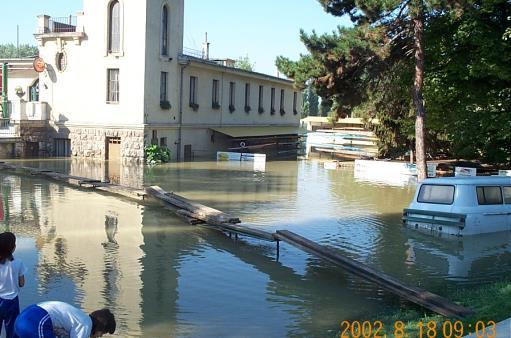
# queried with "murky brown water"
point(164, 278)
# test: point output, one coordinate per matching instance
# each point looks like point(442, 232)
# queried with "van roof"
point(470, 180)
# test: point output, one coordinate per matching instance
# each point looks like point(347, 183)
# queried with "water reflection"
point(165, 278)
point(469, 259)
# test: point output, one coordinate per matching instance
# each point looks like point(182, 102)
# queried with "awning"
point(259, 131)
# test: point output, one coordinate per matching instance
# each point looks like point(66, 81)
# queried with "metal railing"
point(193, 52)
point(61, 25)
point(5, 123)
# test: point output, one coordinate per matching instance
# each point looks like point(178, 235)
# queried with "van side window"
point(437, 194)
point(489, 195)
point(506, 191)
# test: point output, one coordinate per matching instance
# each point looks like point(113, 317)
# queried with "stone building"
point(116, 79)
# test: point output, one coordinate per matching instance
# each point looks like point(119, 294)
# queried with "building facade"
point(116, 79)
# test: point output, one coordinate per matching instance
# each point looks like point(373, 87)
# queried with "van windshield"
point(437, 194)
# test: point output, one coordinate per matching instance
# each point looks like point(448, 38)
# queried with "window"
point(113, 85)
point(164, 31)
point(61, 61)
point(247, 97)
point(215, 103)
point(261, 99)
point(282, 111)
point(163, 142)
point(506, 191)
point(437, 194)
point(295, 99)
point(193, 92)
point(489, 195)
point(232, 96)
point(62, 147)
point(163, 87)
point(272, 100)
point(154, 138)
point(33, 91)
point(114, 27)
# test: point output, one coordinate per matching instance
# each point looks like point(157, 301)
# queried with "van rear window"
point(489, 195)
point(437, 194)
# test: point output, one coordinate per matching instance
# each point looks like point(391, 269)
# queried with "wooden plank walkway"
point(198, 214)
point(416, 295)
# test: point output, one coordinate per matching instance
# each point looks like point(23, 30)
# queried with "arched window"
point(114, 28)
point(164, 30)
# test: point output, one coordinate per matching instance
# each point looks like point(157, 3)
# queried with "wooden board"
point(202, 212)
point(416, 295)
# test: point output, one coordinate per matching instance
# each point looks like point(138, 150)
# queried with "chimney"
point(205, 48)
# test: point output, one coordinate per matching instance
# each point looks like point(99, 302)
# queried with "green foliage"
point(244, 63)
point(310, 103)
point(468, 86)
point(368, 70)
point(155, 154)
point(9, 51)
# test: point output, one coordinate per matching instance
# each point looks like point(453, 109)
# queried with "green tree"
point(374, 64)
point(468, 86)
point(310, 102)
point(243, 62)
point(9, 51)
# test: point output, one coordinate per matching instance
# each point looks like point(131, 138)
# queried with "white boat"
point(461, 205)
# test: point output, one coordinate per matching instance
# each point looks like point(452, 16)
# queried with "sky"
point(261, 29)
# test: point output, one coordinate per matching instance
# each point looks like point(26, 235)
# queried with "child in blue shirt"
point(12, 278)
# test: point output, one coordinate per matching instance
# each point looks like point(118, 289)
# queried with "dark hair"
point(7, 246)
point(103, 320)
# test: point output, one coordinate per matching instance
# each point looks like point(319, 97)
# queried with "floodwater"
point(164, 278)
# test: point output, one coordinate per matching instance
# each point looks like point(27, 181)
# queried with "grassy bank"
point(490, 302)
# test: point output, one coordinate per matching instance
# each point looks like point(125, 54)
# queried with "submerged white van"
point(461, 205)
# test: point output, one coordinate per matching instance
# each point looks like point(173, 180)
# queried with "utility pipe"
point(5, 106)
point(183, 62)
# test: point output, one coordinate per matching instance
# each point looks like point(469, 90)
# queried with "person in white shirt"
point(12, 278)
point(59, 319)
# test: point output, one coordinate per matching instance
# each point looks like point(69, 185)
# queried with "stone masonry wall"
point(91, 143)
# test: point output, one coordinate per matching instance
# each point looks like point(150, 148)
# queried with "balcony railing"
point(8, 129)
point(60, 25)
point(4, 123)
point(28, 111)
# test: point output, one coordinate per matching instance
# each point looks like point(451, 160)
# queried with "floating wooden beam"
point(188, 217)
point(212, 217)
point(200, 211)
point(246, 231)
point(416, 295)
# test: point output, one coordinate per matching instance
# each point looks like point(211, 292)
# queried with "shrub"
point(155, 154)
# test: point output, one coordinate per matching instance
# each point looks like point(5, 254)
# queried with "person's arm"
point(21, 274)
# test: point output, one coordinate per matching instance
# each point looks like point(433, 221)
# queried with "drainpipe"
point(183, 61)
point(5, 113)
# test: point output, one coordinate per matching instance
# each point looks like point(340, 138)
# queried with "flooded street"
point(164, 278)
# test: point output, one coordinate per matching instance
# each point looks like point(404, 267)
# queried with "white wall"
point(78, 94)
point(157, 63)
point(206, 115)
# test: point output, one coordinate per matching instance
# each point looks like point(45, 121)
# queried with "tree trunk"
point(420, 151)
